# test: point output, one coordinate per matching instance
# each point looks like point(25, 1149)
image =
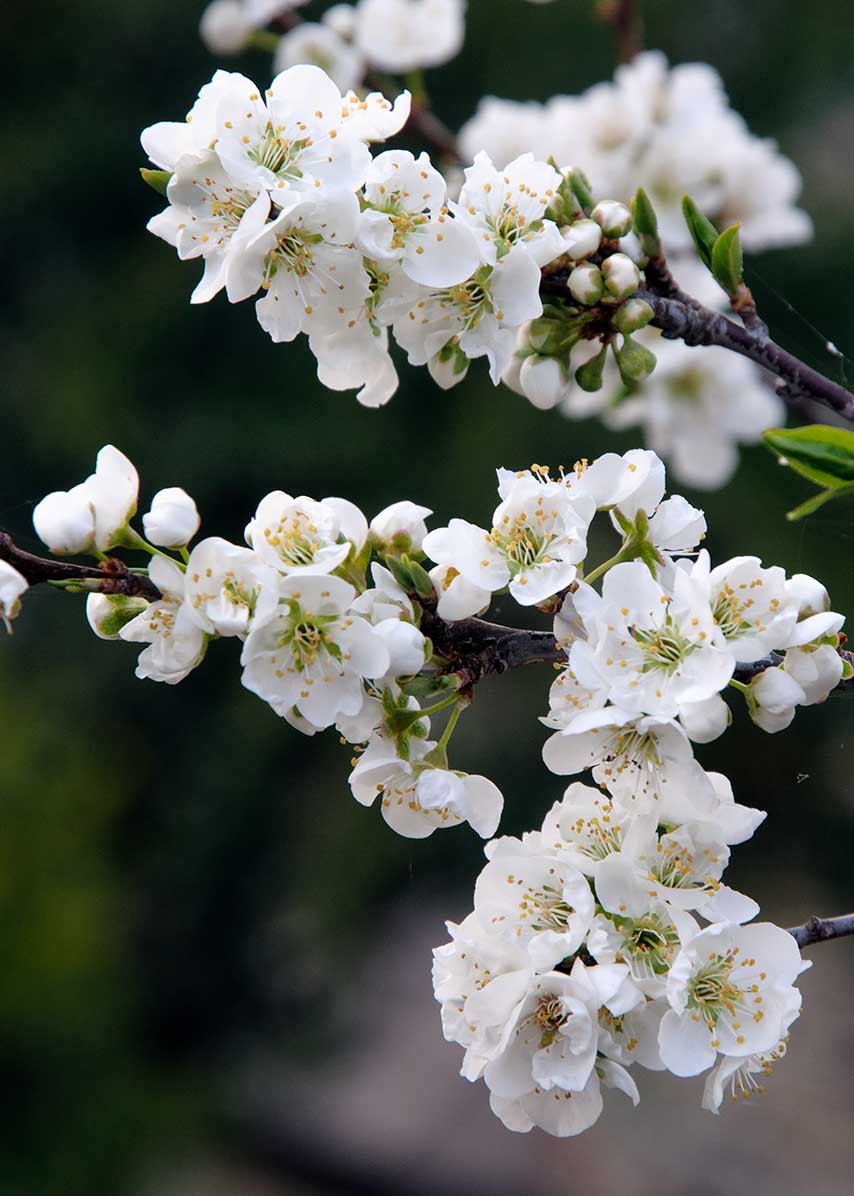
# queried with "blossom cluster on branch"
point(608, 936)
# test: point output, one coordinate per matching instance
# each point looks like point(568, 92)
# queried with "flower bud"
point(613, 217)
point(108, 613)
point(546, 335)
point(341, 19)
point(582, 238)
point(225, 27)
point(401, 520)
point(622, 277)
point(585, 284)
point(448, 367)
point(12, 586)
point(811, 596)
point(635, 362)
point(65, 521)
point(173, 519)
point(406, 647)
point(632, 315)
point(543, 381)
point(771, 699)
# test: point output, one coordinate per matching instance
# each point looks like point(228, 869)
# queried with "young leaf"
point(818, 500)
point(823, 454)
point(703, 232)
point(727, 259)
point(645, 223)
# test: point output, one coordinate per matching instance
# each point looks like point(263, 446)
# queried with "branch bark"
point(113, 574)
point(624, 16)
point(818, 930)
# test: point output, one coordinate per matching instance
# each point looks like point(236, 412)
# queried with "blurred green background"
point(201, 932)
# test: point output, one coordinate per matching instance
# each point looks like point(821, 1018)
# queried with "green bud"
point(421, 582)
point(632, 315)
point(645, 221)
point(109, 613)
point(580, 187)
point(400, 573)
point(728, 260)
point(635, 362)
point(546, 335)
point(589, 375)
point(703, 232)
point(156, 179)
point(585, 284)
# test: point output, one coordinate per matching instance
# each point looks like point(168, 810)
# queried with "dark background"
point(215, 965)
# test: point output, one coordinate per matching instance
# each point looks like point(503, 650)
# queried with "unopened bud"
point(108, 614)
point(65, 521)
point(545, 334)
point(585, 283)
point(633, 315)
point(622, 277)
point(173, 519)
point(225, 28)
point(613, 217)
point(635, 362)
point(582, 238)
point(401, 526)
point(589, 375)
point(341, 19)
point(448, 367)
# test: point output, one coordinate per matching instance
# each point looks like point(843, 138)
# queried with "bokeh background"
point(215, 965)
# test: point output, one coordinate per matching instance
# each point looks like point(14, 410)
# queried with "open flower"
point(176, 642)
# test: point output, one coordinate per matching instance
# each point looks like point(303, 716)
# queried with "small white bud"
point(585, 284)
point(401, 518)
point(173, 519)
point(341, 19)
point(622, 277)
point(225, 27)
point(542, 381)
point(446, 373)
point(811, 596)
point(65, 521)
point(583, 238)
point(406, 646)
point(613, 218)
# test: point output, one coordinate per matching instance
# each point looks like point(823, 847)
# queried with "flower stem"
point(449, 729)
point(618, 559)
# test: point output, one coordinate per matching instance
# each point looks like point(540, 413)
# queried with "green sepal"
point(420, 578)
point(400, 573)
point(635, 362)
point(158, 180)
point(728, 260)
point(703, 232)
point(589, 374)
point(580, 188)
point(818, 452)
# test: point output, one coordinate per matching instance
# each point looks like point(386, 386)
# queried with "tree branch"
point(113, 574)
point(817, 930)
point(624, 16)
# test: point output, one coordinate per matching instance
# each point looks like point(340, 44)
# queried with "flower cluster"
point(279, 193)
point(668, 130)
point(585, 952)
point(349, 40)
point(584, 956)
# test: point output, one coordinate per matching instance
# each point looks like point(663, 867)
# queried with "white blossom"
point(93, 514)
point(402, 35)
point(321, 46)
point(301, 535)
point(225, 27)
point(730, 992)
point(403, 522)
point(313, 654)
point(229, 590)
point(176, 642)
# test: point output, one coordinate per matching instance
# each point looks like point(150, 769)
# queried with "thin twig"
point(113, 574)
point(624, 16)
point(818, 930)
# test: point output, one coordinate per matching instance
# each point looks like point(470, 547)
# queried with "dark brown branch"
point(682, 319)
point(817, 930)
point(624, 16)
point(746, 672)
point(113, 574)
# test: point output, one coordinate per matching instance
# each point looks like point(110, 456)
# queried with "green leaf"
point(589, 374)
point(703, 232)
point(727, 259)
point(823, 454)
point(157, 179)
point(818, 500)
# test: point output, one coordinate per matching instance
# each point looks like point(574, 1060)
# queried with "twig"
point(817, 930)
point(624, 16)
point(113, 574)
